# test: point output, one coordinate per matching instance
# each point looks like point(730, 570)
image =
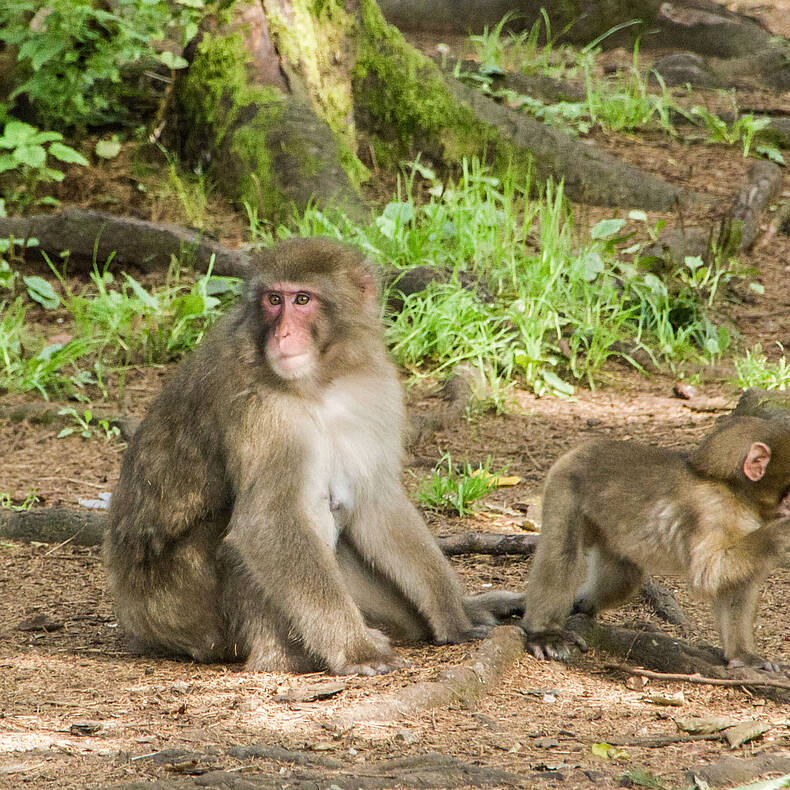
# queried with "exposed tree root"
point(662, 653)
point(663, 602)
point(462, 684)
point(489, 543)
point(95, 236)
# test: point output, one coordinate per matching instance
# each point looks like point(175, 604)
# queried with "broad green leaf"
point(108, 149)
point(41, 49)
point(16, 133)
point(556, 384)
point(606, 228)
point(637, 215)
point(172, 61)
point(67, 154)
point(41, 291)
point(7, 162)
point(592, 265)
point(189, 305)
point(30, 155)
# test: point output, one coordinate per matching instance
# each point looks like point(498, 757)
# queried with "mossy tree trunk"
point(280, 96)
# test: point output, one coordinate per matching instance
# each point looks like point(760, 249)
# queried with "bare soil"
point(73, 675)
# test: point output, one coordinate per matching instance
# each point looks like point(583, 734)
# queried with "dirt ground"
point(78, 710)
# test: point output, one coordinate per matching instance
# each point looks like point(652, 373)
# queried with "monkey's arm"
point(391, 536)
point(295, 571)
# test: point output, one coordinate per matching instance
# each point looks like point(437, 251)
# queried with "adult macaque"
point(632, 509)
point(259, 514)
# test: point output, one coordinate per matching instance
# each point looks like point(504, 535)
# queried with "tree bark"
point(276, 140)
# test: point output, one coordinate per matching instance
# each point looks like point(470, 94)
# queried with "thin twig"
point(697, 678)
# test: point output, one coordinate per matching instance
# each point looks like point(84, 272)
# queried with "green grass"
point(754, 370)
point(115, 322)
point(530, 299)
point(448, 489)
point(527, 298)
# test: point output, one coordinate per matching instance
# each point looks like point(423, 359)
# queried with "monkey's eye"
point(274, 299)
point(302, 298)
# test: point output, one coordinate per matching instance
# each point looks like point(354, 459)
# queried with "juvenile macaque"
point(629, 509)
point(259, 514)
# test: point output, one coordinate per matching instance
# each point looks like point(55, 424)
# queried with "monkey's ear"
point(756, 461)
point(366, 282)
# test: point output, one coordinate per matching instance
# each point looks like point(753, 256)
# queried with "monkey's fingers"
point(374, 667)
point(553, 646)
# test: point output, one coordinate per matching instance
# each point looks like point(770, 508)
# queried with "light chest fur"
point(352, 445)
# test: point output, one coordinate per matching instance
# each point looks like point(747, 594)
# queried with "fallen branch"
point(53, 525)
point(676, 676)
point(464, 683)
point(660, 741)
point(489, 543)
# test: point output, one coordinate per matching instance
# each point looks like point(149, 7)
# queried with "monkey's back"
point(624, 494)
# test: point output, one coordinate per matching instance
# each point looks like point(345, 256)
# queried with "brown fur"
point(263, 519)
point(634, 509)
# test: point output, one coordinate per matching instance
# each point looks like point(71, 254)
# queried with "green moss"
point(410, 108)
point(314, 41)
point(406, 97)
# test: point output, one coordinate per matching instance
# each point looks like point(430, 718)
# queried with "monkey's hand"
point(376, 658)
point(553, 645)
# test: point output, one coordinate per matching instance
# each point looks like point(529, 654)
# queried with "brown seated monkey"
point(259, 515)
point(616, 510)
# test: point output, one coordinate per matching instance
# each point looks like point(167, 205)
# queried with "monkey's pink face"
point(290, 311)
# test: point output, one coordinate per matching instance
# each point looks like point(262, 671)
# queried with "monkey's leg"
point(257, 633)
point(168, 604)
point(379, 600)
point(556, 573)
point(390, 535)
point(610, 581)
point(735, 608)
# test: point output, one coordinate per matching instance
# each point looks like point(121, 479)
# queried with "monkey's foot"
point(758, 662)
point(376, 667)
point(551, 645)
point(491, 608)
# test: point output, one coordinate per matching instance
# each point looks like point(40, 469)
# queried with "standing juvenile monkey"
point(259, 513)
point(717, 516)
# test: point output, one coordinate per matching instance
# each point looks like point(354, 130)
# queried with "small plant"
point(28, 152)
point(87, 426)
point(747, 130)
point(455, 490)
point(30, 500)
point(9, 254)
point(754, 370)
point(76, 57)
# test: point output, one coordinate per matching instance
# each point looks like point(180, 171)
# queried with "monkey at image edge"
point(614, 511)
point(259, 513)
